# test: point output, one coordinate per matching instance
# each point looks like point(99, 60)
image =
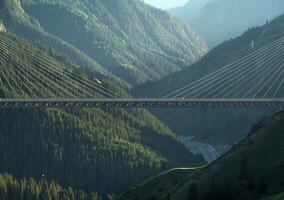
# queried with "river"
point(209, 152)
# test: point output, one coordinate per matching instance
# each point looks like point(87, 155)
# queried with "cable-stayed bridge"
point(32, 79)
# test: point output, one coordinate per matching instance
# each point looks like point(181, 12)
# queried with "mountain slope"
point(195, 122)
point(95, 150)
point(251, 170)
point(127, 39)
point(220, 20)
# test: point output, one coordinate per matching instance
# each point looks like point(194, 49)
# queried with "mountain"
point(232, 124)
point(220, 20)
point(127, 41)
point(253, 169)
point(190, 10)
point(104, 151)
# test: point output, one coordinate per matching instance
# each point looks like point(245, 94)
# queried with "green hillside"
point(94, 150)
point(232, 124)
point(128, 41)
point(253, 169)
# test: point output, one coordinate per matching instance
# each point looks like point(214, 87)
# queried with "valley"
point(226, 56)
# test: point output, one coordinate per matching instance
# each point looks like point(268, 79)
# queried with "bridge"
point(143, 103)
point(253, 81)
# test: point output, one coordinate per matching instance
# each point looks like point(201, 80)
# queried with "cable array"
point(27, 73)
point(260, 74)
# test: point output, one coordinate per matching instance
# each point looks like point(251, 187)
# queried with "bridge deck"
point(145, 103)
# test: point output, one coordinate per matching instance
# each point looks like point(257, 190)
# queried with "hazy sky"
point(166, 4)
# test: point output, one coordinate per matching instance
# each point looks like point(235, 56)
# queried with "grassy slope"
point(264, 152)
point(160, 186)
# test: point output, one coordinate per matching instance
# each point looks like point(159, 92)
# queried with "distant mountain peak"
point(219, 20)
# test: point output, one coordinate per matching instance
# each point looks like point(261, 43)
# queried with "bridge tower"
point(252, 44)
point(2, 27)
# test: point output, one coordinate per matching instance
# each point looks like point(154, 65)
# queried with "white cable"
point(259, 75)
point(256, 85)
point(35, 82)
point(238, 68)
point(48, 73)
point(242, 70)
point(53, 65)
point(264, 85)
point(260, 67)
point(278, 89)
point(228, 66)
point(275, 81)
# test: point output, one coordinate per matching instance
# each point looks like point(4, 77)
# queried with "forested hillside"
point(29, 189)
point(253, 169)
point(127, 41)
point(232, 125)
point(94, 150)
point(219, 20)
